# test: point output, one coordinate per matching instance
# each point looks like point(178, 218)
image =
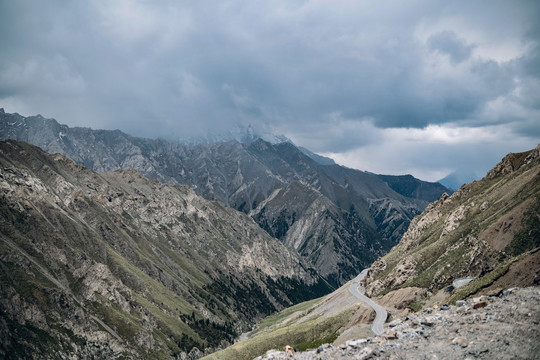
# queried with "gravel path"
point(381, 314)
point(502, 326)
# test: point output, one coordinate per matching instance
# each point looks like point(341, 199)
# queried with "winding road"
point(381, 314)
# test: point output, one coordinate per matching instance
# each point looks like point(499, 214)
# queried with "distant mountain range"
point(456, 179)
point(338, 219)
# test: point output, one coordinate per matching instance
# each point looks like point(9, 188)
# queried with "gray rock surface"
point(340, 220)
point(116, 265)
point(508, 327)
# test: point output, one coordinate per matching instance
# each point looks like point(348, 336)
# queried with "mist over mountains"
point(338, 219)
point(172, 250)
point(455, 179)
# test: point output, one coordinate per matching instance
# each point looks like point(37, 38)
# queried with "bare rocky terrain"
point(338, 219)
point(504, 325)
point(488, 232)
point(115, 265)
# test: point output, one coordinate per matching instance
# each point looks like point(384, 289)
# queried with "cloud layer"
point(414, 86)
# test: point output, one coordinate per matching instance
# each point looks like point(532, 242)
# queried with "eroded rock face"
point(371, 285)
point(339, 220)
point(98, 282)
point(375, 287)
point(419, 224)
point(115, 265)
point(453, 220)
point(404, 271)
point(513, 161)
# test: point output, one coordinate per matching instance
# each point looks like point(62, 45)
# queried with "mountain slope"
point(338, 219)
point(489, 229)
point(483, 230)
point(116, 265)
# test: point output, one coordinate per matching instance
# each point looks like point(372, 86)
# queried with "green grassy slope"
point(481, 227)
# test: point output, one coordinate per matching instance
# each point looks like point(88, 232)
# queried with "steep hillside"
point(484, 230)
point(336, 317)
point(489, 230)
point(340, 220)
point(114, 265)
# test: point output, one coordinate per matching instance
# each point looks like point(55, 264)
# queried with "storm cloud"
point(380, 85)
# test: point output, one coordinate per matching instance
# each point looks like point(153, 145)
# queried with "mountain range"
point(442, 285)
point(170, 250)
point(337, 219)
point(115, 265)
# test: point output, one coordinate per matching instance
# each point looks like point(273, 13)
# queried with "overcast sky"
point(394, 87)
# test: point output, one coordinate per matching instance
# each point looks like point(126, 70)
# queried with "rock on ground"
point(505, 326)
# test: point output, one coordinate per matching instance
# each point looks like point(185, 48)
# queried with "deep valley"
point(120, 247)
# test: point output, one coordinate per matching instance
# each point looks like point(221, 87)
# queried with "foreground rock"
point(505, 326)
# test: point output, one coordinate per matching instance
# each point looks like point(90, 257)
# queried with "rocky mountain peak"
point(338, 219)
point(126, 266)
point(260, 145)
point(244, 134)
point(513, 162)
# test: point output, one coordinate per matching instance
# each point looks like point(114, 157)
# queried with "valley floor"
point(500, 326)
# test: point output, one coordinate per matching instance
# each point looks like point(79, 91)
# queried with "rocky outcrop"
point(356, 216)
point(468, 233)
point(115, 265)
point(513, 162)
point(420, 223)
point(453, 220)
point(502, 327)
point(400, 274)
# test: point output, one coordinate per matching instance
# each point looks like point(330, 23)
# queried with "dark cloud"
point(330, 74)
point(447, 42)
